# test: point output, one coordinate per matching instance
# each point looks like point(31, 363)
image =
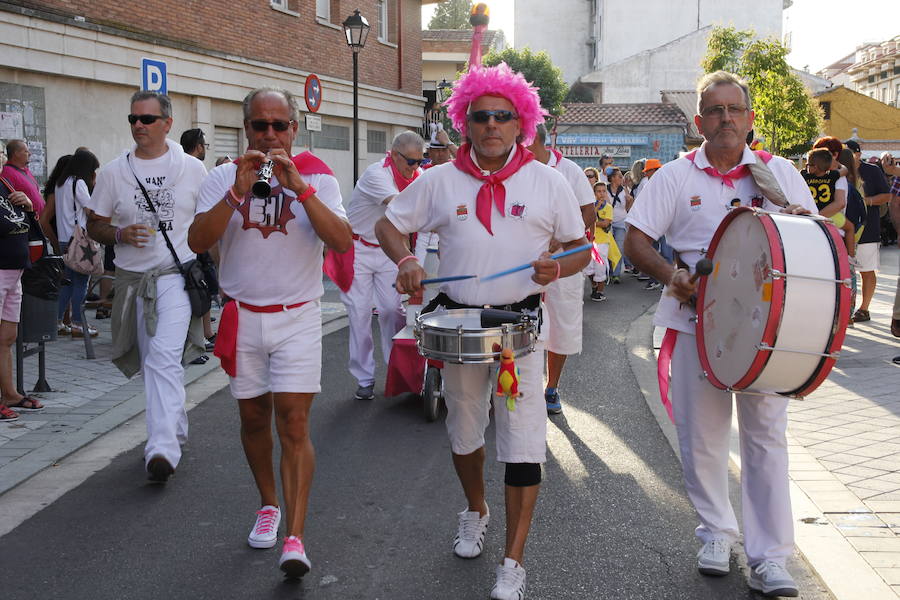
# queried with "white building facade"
point(630, 51)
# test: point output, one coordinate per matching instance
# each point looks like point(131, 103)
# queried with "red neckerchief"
point(493, 190)
point(736, 173)
point(307, 163)
point(558, 156)
point(399, 180)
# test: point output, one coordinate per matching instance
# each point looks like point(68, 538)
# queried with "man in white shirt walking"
point(151, 309)
point(270, 333)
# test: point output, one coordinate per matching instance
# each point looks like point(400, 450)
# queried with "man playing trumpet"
point(270, 335)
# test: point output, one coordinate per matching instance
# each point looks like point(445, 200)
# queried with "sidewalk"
point(844, 444)
point(89, 399)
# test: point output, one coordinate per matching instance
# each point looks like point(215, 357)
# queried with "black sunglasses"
point(411, 161)
point(260, 125)
point(145, 119)
point(501, 116)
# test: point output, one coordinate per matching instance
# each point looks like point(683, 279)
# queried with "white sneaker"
point(265, 531)
point(510, 581)
point(293, 558)
point(714, 557)
point(469, 539)
point(772, 579)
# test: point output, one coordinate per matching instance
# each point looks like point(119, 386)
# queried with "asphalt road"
point(612, 519)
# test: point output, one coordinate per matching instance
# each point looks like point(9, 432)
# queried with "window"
point(333, 137)
point(225, 142)
point(376, 141)
point(384, 14)
point(285, 6)
point(323, 9)
point(826, 110)
point(279, 4)
point(884, 74)
point(871, 79)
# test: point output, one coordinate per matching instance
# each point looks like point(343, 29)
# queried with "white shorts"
point(868, 255)
point(521, 435)
point(564, 304)
point(278, 352)
point(598, 271)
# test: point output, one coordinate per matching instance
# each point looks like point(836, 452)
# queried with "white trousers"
point(563, 314)
point(373, 277)
point(167, 424)
point(703, 420)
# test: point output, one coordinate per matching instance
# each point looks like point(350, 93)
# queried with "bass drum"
point(773, 313)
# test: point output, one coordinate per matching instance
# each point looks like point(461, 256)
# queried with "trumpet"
point(262, 188)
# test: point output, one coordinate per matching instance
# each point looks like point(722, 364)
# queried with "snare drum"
point(773, 313)
point(456, 336)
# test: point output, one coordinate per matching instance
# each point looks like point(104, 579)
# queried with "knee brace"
point(522, 474)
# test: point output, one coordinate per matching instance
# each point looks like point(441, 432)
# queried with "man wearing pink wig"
point(493, 207)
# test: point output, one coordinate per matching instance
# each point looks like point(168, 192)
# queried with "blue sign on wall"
point(601, 139)
point(153, 76)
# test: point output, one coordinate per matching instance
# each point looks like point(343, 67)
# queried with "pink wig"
point(496, 81)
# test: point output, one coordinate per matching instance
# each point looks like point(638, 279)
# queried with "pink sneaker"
point(293, 558)
point(265, 530)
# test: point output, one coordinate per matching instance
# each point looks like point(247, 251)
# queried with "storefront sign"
point(601, 139)
point(598, 151)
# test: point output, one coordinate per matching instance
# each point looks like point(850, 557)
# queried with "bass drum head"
point(735, 301)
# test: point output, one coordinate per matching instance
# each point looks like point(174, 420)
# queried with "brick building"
point(69, 68)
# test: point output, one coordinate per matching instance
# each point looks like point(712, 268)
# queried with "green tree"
point(786, 115)
point(539, 70)
point(724, 49)
point(451, 14)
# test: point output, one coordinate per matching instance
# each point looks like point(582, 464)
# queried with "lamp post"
point(356, 30)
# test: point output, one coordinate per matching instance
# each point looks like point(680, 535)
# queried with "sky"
point(839, 25)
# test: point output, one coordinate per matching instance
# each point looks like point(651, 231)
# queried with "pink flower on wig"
point(496, 81)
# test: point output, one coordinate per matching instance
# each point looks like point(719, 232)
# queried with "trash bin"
point(38, 319)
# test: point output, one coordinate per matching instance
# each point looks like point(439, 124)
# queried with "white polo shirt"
point(270, 253)
point(540, 206)
point(576, 178)
point(685, 204)
point(374, 186)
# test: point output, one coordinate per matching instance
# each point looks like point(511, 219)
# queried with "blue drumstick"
point(443, 279)
point(528, 265)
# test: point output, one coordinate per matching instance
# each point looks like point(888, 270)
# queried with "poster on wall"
point(37, 162)
point(10, 126)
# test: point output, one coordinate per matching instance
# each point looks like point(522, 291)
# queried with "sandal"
point(29, 403)
point(102, 313)
point(200, 360)
point(861, 316)
point(78, 331)
point(7, 414)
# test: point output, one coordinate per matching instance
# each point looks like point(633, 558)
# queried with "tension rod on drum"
point(834, 355)
point(776, 274)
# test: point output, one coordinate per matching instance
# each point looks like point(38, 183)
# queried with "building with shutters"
point(69, 69)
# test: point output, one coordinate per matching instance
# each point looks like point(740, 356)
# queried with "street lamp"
point(356, 30)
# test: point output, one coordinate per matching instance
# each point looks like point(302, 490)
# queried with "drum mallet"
point(703, 268)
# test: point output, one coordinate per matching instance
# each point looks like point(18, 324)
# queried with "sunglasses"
point(411, 161)
point(501, 116)
point(145, 119)
point(260, 125)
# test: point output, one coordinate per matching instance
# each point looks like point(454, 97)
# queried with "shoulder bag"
point(83, 255)
point(192, 270)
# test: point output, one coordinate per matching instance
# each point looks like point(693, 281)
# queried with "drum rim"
point(842, 320)
point(776, 305)
point(520, 327)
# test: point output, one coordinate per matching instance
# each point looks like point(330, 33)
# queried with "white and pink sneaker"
point(265, 531)
point(293, 558)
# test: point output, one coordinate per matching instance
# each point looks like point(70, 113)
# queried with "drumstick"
point(443, 279)
point(704, 267)
point(528, 265)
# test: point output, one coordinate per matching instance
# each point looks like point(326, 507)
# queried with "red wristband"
point(558, 271)
point(310, 190)
point(406, 258)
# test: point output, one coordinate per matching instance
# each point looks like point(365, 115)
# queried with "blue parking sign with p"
point(153, 76)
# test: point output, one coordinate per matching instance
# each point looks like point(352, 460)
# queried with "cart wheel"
point(432, 394)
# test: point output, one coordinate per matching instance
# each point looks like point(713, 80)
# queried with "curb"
point(827, 552)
